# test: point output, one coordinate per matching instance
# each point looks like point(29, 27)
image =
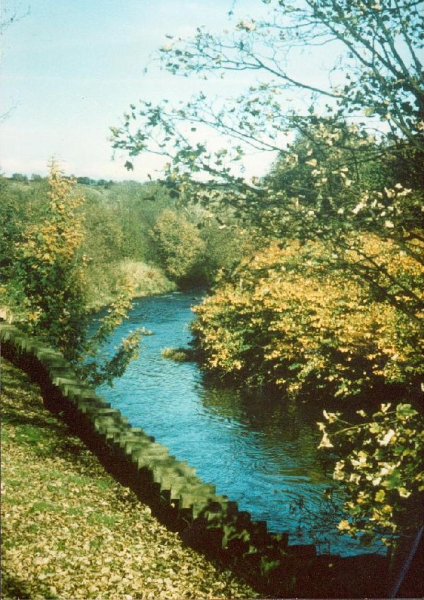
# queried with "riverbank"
point(103, 284)
point(71, 531)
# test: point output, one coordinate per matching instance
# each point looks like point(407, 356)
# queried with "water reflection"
point(276, 446)
point(256, 449)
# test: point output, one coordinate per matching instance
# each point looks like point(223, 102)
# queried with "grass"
point(148, 280)
point(103, 283)
point(71, 532)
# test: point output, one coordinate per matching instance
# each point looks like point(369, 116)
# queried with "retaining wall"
point(208, 522)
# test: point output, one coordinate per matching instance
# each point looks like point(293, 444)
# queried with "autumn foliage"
point(381, 468)
point(50, 269)
point(47, 291)
point(288, 318)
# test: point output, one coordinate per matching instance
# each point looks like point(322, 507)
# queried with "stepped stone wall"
point(207, 521)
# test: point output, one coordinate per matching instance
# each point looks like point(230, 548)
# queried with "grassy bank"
point(104, 282)
point(70, 531)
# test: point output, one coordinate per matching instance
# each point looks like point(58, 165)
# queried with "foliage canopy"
point(47, 284)
point(335, 299)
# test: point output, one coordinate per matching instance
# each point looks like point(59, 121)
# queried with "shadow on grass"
point(14, 416)
point(23, 407)
point(14, 588)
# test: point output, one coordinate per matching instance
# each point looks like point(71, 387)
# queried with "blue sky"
point(70, 68)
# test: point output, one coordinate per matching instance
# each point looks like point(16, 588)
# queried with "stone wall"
point(208, 522)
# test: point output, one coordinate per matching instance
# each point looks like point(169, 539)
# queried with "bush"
point(47, 289)
point(178, 354)
point(286, 319)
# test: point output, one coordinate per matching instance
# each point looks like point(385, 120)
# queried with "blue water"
point(259, 451)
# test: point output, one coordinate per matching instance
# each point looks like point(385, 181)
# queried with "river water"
point(258, 451)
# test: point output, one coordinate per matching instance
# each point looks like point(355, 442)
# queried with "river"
point(258, 451)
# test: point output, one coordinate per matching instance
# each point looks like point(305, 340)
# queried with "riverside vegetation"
point(126, 232)
point(329, 305)
point(69, 248)
point(319, 293)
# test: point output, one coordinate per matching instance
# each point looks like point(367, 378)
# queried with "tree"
point(377, 71)
point(19, 206)
point(8, 16)
point(369, 111)
point(136, 208)
point(103, 239)
point(372, 113)
point(282, 319)
point(84, 180)
point(179, 245)
point(19, 177)
point(380, 462)
point(46, 289)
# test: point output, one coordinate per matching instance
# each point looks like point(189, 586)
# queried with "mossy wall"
point(207, 521)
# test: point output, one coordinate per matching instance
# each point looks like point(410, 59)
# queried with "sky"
point(70, 69)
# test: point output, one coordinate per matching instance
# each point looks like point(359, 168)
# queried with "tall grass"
point(104, 282)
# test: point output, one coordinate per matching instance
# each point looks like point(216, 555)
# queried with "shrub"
point(48, 287)
point(288, 320)
point(178, 354)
